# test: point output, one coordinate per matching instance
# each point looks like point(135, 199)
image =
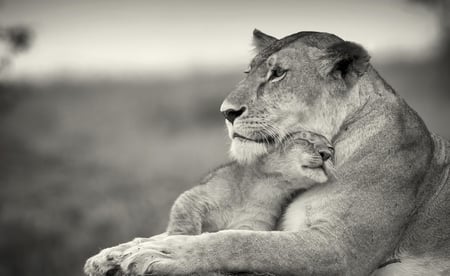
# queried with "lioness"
point(252, 196)
point(388, 213)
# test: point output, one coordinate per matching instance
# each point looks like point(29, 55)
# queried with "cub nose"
point(232, 114)
point(325, 154)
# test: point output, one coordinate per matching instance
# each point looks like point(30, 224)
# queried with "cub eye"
point(249, 68)
point(276, 74)
point(331, 149)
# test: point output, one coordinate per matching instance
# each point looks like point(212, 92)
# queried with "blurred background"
point(110, 109)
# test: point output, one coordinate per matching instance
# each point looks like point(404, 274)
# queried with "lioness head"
point(305, 81)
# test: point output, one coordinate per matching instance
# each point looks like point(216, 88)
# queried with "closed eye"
point(249, 68)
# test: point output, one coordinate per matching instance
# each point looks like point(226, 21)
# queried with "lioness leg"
point(237, 250)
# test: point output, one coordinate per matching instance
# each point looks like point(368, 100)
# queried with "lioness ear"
point(262, 40)
point(344, 60)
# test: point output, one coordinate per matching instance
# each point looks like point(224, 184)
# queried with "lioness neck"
point(380, 112)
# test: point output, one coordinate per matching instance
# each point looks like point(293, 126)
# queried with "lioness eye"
point(277, 74)
point(248, 70)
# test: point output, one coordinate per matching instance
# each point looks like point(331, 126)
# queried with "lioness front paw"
point(107, 262)
point(174, 255)
point(142, 263)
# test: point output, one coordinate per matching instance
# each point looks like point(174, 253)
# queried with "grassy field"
point(89, 164)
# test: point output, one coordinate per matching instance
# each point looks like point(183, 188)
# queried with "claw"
point(111, 256)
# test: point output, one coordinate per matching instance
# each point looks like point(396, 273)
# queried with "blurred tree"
point(14, 40)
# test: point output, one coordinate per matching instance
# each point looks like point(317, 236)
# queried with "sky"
point(122, 37)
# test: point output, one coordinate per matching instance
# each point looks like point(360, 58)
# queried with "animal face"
point(302, 82)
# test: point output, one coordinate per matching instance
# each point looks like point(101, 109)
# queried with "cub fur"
point(252, 197)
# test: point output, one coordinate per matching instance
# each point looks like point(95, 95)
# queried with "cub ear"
point(344, 60)
point(262, 40)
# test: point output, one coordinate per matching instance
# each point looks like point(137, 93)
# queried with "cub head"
point(305, 81)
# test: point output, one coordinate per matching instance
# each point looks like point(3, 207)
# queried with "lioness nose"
point(232, 114)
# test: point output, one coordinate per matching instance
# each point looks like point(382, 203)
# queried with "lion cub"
point(252, 197)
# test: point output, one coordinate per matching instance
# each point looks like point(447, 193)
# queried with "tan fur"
point(240, 197)
point(390, 201)
point(252, 197)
